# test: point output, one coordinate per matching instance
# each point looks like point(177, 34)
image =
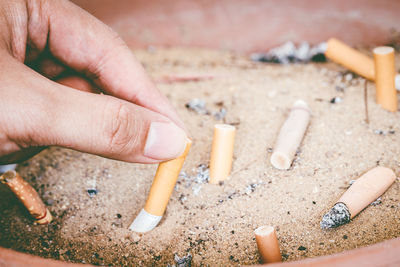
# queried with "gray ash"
point(337, 216)
point(182, 262)
point(289, 53)
point(196, 181)
point(198, 105)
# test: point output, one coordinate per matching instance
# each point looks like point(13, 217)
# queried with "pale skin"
point(55, 58)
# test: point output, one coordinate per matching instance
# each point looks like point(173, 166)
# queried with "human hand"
point(49, 47)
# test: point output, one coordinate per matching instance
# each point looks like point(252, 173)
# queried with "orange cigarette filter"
point(350, 58)
point(268, 245)
point(164, 183)
point(222, 152)
point(367, 189)
point(28, 196)
point(385, 74)
point(361, 193)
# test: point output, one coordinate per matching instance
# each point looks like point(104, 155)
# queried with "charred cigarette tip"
point(8, 176)
point(47, 218)
point(337, 216)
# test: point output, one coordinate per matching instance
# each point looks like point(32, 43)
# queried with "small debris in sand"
point(185, 261)
point(335, 100)
point(196, 181)
point(289, 53)
point(301, 248)
point(220, 115)
point(198, 105)
point(377, 202)
point(92, 192)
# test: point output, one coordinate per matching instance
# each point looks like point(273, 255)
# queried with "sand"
point(215, 223)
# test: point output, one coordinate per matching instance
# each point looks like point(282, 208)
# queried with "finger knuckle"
point(121, 128)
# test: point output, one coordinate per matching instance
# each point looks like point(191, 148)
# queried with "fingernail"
point(164, 141)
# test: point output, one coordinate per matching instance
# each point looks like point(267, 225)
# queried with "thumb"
point(114, 128)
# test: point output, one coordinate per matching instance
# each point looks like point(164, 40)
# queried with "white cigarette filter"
point(353, 60)
point(267, 244)
point(222, 152)
point(385, 72)
point(160, 193)
point(290, 135)
point(361, 193)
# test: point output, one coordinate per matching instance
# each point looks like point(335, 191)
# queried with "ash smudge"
point(198, 105)
point(289, 53)
point(185, 261)
point(196, 181)
point(337, 216)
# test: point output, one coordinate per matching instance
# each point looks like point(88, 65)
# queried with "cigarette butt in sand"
point(361, 193)
point(353, 60)
point(160, 193)
point(290, 135)
point(28, 196)
point(222, 152)
point(385, 74)
point(350, 58)
point(268, 245)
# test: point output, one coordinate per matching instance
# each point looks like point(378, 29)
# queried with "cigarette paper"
point(222, 152)
point(385, 77)
point(28, 196)
point(353, 60)
point(290, 135)
point(361, 193)
point(268, 245)
point(160, 193)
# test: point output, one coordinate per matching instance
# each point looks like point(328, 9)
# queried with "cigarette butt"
point(290, 135)
point(222, 152)
point(160, 193)
point(350, 58)
point(385, 77)
point(353, 60)
point(361, 193)
point(268, 245)
point(28, 196)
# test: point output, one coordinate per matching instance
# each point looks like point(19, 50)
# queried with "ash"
point(289, 53)
point(198, 105)
point(196, 181)
point(182, 262)
point(377, 202)
point(337, 216)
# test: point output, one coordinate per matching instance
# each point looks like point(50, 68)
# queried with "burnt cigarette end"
point(8, 176)
point(337, 216)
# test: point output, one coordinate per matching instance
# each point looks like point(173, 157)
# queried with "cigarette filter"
point(268, 245)
point(353, 60)
point(364, 190)
point(28, 196)
point(385, 77)
point(160, 193)
point(222, 152)
point(290, 135)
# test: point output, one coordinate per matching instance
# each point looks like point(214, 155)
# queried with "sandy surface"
point(216, 225)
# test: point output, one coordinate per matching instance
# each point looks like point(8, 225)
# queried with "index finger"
point(87, 45)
